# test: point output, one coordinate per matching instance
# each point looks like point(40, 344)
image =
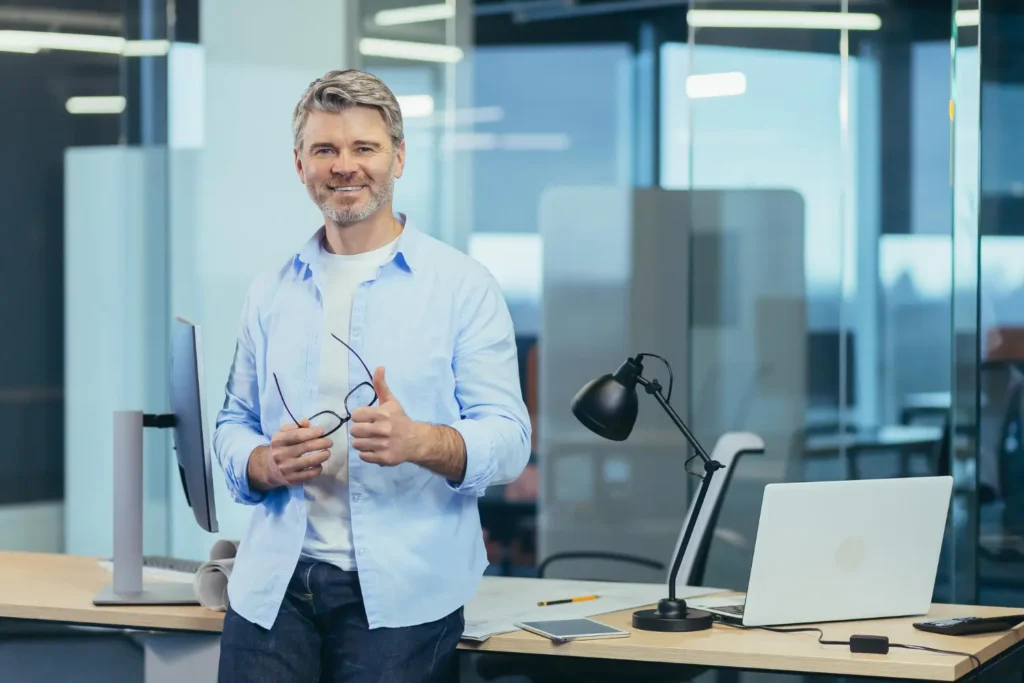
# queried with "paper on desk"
point(503, 601)
point(156, 573)
point(211, 580)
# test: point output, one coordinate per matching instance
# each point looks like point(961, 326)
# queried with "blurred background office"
point(813, 209)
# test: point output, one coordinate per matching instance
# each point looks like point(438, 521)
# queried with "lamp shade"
point(608, 405)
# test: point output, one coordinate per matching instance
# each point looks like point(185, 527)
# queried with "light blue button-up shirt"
point(436, 320)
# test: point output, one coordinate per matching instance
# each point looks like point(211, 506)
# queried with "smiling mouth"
point(345, 188)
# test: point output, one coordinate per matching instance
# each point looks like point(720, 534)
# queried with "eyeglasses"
point(361, 396)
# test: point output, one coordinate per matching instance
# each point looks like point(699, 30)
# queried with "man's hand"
point(385, 435)
point(295, 455)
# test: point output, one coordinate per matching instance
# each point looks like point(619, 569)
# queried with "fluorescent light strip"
point(703, 86)
point(113, 104)
point(711, 18)
point(416, 106)
point(968, 17)
point(146, 48)
point(41, 40)
point(400, 49)
point(414, 15)
point(34, 41)
point(12, 47)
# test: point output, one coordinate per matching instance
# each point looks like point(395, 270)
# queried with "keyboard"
point(174, 564)
point(731, 609)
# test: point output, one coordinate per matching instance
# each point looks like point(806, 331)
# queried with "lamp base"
point(672, 616)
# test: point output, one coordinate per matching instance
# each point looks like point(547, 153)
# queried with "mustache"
point(340, 180)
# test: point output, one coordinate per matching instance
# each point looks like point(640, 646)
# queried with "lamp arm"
point(690, 524)
point(653, 387)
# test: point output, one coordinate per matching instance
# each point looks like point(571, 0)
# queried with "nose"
point(343, 164)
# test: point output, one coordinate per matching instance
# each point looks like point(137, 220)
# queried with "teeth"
point(347, 189)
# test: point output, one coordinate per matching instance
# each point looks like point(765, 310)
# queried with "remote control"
point(964, 626)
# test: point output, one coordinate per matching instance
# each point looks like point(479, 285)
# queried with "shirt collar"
point(407, 253)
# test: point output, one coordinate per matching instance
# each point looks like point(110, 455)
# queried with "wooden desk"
point(60, 588)
point(726, 647)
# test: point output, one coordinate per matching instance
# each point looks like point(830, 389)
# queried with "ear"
point(399, 164)
point(298, 166)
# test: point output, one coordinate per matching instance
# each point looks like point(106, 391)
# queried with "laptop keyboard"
point(731, 609)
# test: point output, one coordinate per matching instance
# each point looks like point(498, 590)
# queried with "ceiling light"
point(113, 104)
point(16, 47)
point(416, 106)
point(146, 48)
point(42, 40)
point(710, 18)
point(400, 49)
point(414, 15)
point(968, 17)
point(715, 85)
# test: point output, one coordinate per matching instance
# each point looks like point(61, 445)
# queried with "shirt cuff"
point(479, 459)
point(242, 447)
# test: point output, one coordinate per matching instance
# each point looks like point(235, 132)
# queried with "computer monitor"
point(191, 435)
point(191, 440)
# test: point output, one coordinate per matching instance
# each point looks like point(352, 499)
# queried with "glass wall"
point(810, 215)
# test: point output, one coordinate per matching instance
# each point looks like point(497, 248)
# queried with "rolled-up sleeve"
point(494, 422)
point(238, 430)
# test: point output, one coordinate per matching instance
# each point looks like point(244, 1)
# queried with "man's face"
point(348, 163)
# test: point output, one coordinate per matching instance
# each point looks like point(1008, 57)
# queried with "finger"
point(304, 475)
point(314, 459)
point(367, 414)
point(291, 425)
point(381, 386)
point(370, 445)
point(296, 435)
point(369, 430)
point(288, 456)
point(372, 457)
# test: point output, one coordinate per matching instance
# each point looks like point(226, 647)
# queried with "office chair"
point(728, 450)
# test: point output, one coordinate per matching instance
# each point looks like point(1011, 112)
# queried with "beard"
point(380, 194)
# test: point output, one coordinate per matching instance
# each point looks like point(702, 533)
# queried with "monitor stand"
point(128, 588)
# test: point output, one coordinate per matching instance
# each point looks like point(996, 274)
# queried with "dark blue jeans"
point(321, 635)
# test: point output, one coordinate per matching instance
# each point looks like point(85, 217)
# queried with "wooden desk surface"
point(725, 646)
point(60, 588)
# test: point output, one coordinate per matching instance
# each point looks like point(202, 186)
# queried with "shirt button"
point(362, 552)
point(355, 496)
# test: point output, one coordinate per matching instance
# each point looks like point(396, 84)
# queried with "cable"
point(821, 634)
point(668, 397)
point(974, 659)
point(822, 641)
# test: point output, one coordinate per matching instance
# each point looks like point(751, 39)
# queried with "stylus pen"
point(582, 598)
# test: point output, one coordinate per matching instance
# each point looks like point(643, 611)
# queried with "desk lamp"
point(608, 407)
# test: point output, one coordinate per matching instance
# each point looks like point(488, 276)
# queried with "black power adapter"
point(875, 645)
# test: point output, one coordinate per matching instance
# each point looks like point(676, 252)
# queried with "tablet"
point(572, 629)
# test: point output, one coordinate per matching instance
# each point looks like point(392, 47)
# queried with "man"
point(365, 540)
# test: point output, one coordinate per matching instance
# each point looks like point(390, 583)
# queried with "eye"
point(321, 151)
point(365, 150)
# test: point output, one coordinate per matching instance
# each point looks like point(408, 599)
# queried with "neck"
point(366, 235)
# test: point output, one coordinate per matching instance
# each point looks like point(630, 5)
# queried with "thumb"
point(380, 386)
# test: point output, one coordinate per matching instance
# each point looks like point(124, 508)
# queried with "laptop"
point(840, 551)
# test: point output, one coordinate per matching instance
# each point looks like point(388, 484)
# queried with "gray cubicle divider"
point(619, 264)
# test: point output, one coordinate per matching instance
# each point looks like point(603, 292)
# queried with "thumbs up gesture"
point(383, 434)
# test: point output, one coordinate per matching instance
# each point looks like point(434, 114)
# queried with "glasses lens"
point(326, 421)
point(360, 397)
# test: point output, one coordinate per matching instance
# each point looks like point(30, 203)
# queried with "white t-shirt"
point(328, 527)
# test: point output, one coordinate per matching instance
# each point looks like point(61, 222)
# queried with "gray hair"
point(339, 90)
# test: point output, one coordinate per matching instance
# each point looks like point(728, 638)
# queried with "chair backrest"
point(728, 449)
